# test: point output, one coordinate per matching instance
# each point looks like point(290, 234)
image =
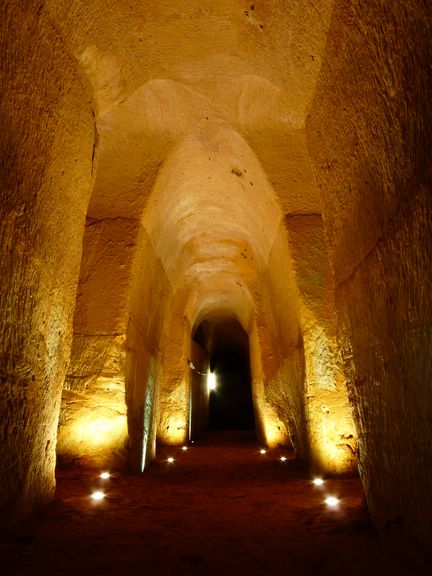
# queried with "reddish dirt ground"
point(221, 509)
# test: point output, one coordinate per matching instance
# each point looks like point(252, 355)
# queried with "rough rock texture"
point(93, 422)
point(148, 304)
point(47, 162)
point(203, 141)
point(93, 418)
point(369, 136)
point(110, 397)
point(329, 421)
point(264, 164)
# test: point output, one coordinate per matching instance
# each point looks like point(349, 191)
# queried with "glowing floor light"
point(98, 496)
point(184, 448)
point(331, 501)
point(211, 381)
point(283, 458)
point(318, 481)
point(105, 475)
point(263, 451)
point(170, 460)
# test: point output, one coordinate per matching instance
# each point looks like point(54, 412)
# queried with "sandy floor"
point(221, 509)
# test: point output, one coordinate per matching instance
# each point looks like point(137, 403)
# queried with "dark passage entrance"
point(230, 404)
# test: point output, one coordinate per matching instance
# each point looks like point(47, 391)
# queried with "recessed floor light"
point(98, 495)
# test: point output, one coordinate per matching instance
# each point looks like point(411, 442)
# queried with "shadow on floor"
point(221, 508)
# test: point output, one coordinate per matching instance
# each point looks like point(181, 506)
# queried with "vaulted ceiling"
point(201, 112)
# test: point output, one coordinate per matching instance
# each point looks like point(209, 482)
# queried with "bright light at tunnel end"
point(211, 381)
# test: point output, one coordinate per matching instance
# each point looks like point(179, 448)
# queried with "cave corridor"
point(230, 405)
point(230, 188)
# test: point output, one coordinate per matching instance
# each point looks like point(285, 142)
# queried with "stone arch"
point(249, 267)
point(211, 230)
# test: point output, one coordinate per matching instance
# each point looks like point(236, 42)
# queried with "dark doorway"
point(230, 405)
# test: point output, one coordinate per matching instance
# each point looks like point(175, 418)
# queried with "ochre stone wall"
point(329, 422)
point(211, 146)
point(173, 421)
point(48, 158)
point(149, 303)
point(93, 423)
point(265, 164)
point(110, 397)
point(280, 352)
point(369, 136)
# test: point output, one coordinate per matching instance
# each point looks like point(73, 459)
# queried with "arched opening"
point(230, 405)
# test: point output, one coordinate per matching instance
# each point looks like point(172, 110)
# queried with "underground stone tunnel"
point(244, 189)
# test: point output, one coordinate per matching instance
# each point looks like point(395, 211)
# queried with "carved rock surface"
point(171, 165)
point(369, 139)
point(47, 162)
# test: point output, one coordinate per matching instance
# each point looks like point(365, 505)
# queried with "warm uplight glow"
point(184, 448)
point(332, 433)
point(262, 451)
point(318, 481)
point(176, 428)
point(283, 458)
point(211, 381)
point(170, 459)
point(94, 432)
point(331, 501)
point(275, 433)
point(98, 495)
point(105, 475)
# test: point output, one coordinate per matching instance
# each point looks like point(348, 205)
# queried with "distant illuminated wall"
point(96, 432)
point(93, 424)
point(174, 416)
point(331, 430)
